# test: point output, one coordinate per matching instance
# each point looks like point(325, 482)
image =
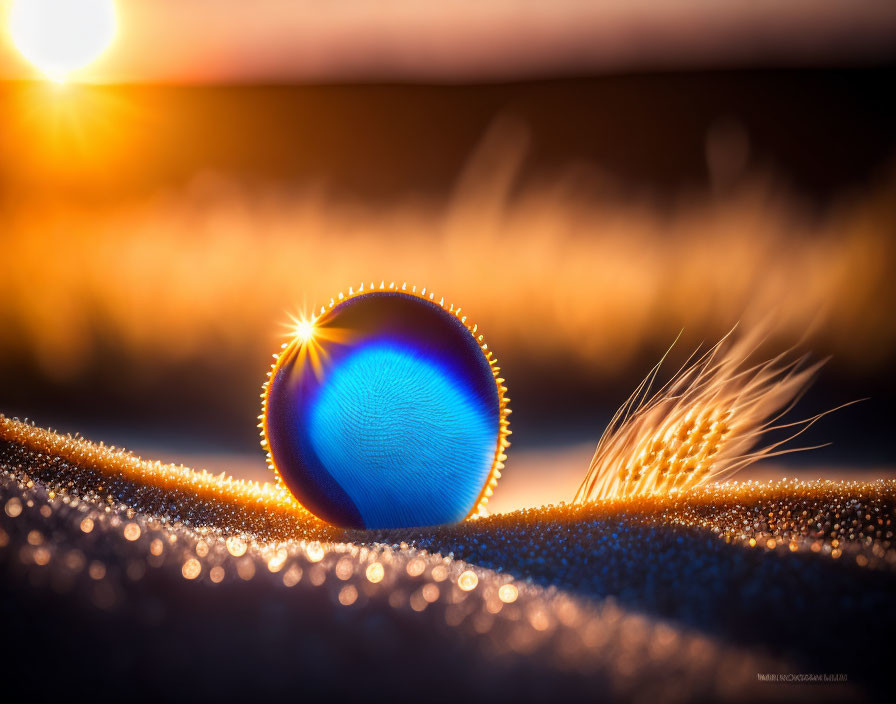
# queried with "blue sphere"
point(386, 413)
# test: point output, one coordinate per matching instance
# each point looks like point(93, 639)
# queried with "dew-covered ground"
point(113, 586)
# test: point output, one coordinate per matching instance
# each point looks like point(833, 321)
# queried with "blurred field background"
point(155, 237)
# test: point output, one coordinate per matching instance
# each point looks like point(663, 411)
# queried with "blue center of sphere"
point(407, 443)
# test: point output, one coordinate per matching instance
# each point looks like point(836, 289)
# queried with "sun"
point(61, 36)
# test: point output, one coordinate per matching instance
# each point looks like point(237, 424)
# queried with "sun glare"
point(61, 36)
point(304, 330)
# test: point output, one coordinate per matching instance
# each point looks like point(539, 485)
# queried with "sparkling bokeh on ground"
point(682, 597)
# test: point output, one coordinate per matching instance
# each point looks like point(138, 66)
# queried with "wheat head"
point(703, 424)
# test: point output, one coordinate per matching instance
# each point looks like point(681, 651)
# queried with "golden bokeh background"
point(156, 234)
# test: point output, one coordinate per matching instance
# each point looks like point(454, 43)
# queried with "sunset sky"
point(289, 40)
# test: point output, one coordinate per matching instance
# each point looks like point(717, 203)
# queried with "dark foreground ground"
point(115, 588)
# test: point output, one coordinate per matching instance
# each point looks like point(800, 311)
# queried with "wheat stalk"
point(703, 424)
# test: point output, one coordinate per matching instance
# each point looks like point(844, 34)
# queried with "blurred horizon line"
point(858, 66)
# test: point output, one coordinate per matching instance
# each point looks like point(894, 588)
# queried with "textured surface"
point(806, 570)
point(410, 446)
point(691, 597)
point(387, 416)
